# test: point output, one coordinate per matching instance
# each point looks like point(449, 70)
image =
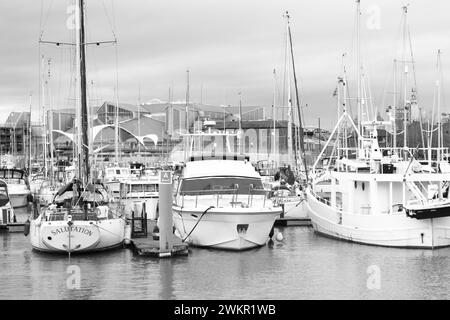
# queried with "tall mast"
point(116, 126)
point(240, 122)
point(29, 139)
point(187, 101)
point(405, 73)
point(395, 108)
point(44, 122)
point(139, 120)
point(50, 128)
point(438, 83)
point(288, 80)
point(358, 69)
point(274, 113)
point(302, 146)
point(84, 156)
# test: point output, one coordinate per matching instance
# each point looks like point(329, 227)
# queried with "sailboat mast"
point(139, 120)
point(29, 139)
point(240, 123)
point(302, 146)
point(288, 80)
point(50, 128)
point(438, 65)
point(358, 69)
point(44, 123)
point(274, 113)
point(84, 168)
point(395, 108)
point(187, 101)
point(405, 72)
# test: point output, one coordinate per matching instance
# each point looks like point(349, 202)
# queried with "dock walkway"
point(149, 245)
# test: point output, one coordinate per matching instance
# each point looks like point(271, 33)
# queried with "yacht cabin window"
point(226, 185)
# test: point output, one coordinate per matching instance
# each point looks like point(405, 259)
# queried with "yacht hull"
point(226, 228)
point(391, 230)
point(80, 237)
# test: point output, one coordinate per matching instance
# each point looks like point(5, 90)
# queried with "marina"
point(238, 198)
point(304, 266)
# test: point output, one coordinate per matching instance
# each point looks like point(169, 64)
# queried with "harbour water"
point(303, 266)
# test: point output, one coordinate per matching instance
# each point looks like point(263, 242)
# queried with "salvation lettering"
point(72, 229)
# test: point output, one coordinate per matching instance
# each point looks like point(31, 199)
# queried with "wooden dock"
point(149, 245)
point(288, 222)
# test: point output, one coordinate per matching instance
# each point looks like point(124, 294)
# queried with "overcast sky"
point(229, 46)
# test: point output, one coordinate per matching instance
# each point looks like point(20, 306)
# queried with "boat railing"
point(84, 214)
point(61, 214)
point(251, 190)
point(326, 201)
point(218, 193)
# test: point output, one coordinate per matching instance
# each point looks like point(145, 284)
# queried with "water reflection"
point(302, 266)
point(166, 273)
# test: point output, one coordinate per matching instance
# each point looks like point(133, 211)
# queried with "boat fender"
point(155, 233)
point(279, 237)
point(26, 227)
point(30, 197)
point(127, 239)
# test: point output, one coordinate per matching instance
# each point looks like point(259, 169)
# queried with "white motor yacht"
point(221, 203)
point(18, 186)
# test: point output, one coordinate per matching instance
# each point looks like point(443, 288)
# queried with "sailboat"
point(378, 195)
point(289, 197)
point(80, 219)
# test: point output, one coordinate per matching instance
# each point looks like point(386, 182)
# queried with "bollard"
point(165, 214)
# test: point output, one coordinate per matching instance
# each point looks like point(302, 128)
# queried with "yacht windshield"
point(225, 185)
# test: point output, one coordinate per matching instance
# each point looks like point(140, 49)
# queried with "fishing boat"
point(18, 186)
point(377, 200)
point(386, 196)
point(220, 203)
point(6, 209)
point(80, 218)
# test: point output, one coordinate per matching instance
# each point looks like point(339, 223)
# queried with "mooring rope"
point(204, 212)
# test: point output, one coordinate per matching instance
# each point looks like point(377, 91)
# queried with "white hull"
point(226, 228)
point(85, 236)
point(392, 230)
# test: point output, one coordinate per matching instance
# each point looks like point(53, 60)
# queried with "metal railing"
point(220, 192)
